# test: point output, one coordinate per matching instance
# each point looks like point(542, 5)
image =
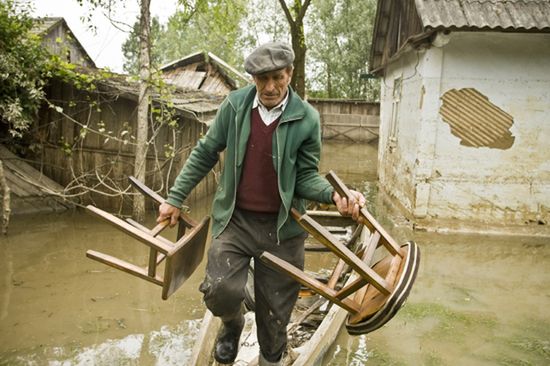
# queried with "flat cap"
point(269, 57)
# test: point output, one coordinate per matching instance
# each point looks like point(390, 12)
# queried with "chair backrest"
point(184, 258)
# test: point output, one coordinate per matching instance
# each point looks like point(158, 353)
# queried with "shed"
point(464, 112)
point(58, 38)
point(87, 137)
point(204, 71)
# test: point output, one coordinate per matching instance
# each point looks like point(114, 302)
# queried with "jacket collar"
point(244, 97)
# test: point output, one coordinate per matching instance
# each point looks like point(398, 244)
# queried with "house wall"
point(459, 161)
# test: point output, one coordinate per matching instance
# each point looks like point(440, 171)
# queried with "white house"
point(465, 112)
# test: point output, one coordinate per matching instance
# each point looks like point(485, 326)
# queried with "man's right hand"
point(167, 211)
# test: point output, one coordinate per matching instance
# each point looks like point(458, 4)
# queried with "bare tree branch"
point(287, 13)
point(303, 9)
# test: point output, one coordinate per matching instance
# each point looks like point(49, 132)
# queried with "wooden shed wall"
point(58, 41)
point(95, 158)
point(348, 120)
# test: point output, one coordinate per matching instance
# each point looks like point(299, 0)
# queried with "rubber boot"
point(264, 362)
point(227, 343)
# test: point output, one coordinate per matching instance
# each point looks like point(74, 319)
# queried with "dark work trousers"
point(248, 235)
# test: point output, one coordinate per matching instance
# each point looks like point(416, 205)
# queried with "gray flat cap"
point(269, 57)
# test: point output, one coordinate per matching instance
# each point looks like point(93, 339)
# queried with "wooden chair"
point(378, 290)
point(181, 257)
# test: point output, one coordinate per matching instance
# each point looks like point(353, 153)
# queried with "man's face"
point(272, 86)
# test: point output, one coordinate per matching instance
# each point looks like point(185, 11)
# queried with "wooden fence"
point(85, 147)
point(88, 148)
point(348, 120)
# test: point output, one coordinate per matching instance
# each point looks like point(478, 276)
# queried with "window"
point(396, 98)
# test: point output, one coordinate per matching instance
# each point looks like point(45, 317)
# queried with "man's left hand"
point(351, 207)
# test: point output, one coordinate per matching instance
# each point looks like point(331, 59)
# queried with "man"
point(272, 145)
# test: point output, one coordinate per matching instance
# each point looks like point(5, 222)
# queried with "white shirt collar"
point(269, 116)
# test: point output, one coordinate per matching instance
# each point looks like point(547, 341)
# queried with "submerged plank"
point(206, 339)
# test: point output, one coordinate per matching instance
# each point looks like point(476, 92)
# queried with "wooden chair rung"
point(309, 282)
point(323, 236)
point(336, 273)
point(372, 244)
point(161, 226)
point(145, 229)
point(351, 288)
point(390, 244)
point(134, 232)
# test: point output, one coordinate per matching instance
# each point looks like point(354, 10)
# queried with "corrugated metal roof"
point(178, 73)
point(199, 103)
point(485, 14)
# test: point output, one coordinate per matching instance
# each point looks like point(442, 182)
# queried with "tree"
point(295, 16)
point(143, 103)
point(130, 48)
point(144, 99)
point(23, 69)
point(201, 25)
point(340, 42)
point(261, 28)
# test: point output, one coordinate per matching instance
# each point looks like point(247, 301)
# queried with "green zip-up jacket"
point(296, 152)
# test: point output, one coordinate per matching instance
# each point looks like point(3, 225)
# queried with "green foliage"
point(23, 67)
point(339, 43)
point(130, 48)
point(261, 28)
point(200, 25)
point(338, 37)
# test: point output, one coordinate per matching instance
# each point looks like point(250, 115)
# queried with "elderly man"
point(272, 143)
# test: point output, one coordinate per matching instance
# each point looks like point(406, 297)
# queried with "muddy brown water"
point(478, 300)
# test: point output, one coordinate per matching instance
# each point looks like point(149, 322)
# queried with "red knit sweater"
point(258, 189)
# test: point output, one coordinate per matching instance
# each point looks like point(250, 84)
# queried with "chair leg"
point(123, 266)
point(307, 281)
point(321, 234)
point(134, 232)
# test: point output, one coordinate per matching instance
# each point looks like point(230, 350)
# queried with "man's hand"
point(167, 211)
point(350, 207)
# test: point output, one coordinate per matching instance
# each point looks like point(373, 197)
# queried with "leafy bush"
point(23, 68)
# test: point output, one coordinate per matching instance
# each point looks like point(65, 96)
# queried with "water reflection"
point(478, 300)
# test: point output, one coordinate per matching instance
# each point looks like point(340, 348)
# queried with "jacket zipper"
point(287, 210)
point(234, 172)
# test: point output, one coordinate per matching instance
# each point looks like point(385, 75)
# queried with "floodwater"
point(478, 300)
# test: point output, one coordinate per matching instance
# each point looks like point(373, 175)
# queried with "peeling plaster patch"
point(475, 120)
